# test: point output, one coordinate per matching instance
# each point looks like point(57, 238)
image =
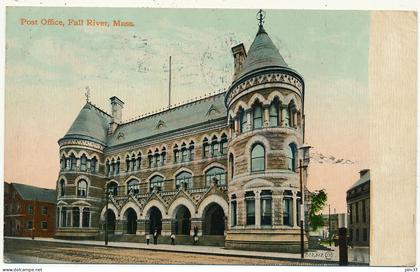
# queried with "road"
point(17, 251)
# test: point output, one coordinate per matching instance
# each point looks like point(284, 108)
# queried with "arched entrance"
point(214, 220)
point(182, 221)
point(155, 220)
point(111, 221)
point(131, 217)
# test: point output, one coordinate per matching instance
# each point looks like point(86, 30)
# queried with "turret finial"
point(260, 17)
point(87, 93)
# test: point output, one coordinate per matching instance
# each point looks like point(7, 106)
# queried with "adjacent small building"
point(358, 210)
point(29, 210)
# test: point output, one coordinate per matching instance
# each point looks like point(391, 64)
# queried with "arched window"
point(63, 217)
point(133, 186)
point(206, 148)
point(257, 114)
point(274, 113)
point(223, 144)
point(184, 153)
point(82, 188)
point(156, 181)
point(108, 168)
point(62, 162)
point(215, 174)
point(214, 147)
point(191, 151)
point(62, 187)
point(76, 217)
point(127, 163)
point(117, 167)
point(112, 188)
point(183, 178)
point(93, 164)
point(83, 163)
point(242, 120)
point(258, 158)
point(176, 153)
point(138, 161)
point(72, 162)
point(163, 156)
point(150, 157)
point(85, 218)
point(232, 167)
point(291, 157)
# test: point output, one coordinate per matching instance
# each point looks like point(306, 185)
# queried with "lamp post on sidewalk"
point(303, 164)
point(106, 217)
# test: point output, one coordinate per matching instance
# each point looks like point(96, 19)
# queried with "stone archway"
point(182, 221)
point(155, 220)
point(111, 221)
point(131, 221)
point(213, 220)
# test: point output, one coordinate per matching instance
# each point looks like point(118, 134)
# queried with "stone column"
point(59, 217)
point(257, 209)
point(248, 120)
point(284, 122)
point(166, 227)
point(236, 126)
point(277, 209)
point(199, 223)
point(294, 209)
point(120, 227)
point(266, 115)
point(80, 216)
point(141, 227)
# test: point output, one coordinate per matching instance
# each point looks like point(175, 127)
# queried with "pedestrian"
point(148, 238)
point(155, 236)
point(173, 239)
point(195, 237)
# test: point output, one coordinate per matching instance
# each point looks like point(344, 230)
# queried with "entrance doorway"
point(111, 221)
point(155, 220)
point(182, 221)
point(131, 218)
point(214, 220)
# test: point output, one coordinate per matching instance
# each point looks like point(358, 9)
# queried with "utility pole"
point(170, 78)
point(106, 218)
point(302, 245)
point(329, 223)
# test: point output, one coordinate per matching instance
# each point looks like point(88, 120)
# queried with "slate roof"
point(194, 113)
point(90, 124)
point(261, 54)
point(363, 179)
point(28, 192)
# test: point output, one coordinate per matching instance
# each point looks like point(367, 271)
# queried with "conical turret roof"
point(262, 54)
point(90, 124)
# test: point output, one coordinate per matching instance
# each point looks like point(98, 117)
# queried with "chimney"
point(116, 109)
point(239, 55)
point(363, 172)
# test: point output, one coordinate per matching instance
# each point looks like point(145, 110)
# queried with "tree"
point(318, 201)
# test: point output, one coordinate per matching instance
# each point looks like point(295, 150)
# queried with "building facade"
point(29, 211)
point(358, 205)
point(223, 166)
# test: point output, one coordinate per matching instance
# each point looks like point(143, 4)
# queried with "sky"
point(49, 67)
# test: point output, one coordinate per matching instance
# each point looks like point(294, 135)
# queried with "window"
point(206, 148)
point(357, 235)
point(242, 121)
point(351, 235)
point(127, 163)
point(216, 174)
point(108, 168)
point(29, 225)
point(191, 152)
point(183, 178)
point(156, 160)
point(150, 156)
point(266, 201)
point(298, 209)
point(357, 212)
point(233, 210)
point(250, 208)
point(44, 225)
point(133, 186)
point(163, 157)
point(176, 154)
point(138, 166)
point(62, 187)
point(93, 164)
point(85, 217)
point(184, 153)
point(291, 157)
point(257, 158)
point(214, 147)
point(76, 217)
point(83, 163)
point(364, 235)
point(112, 188)
point(274, 114)
point(82, 188)
point(232, 166)
point(287, 209)
point(44, 210)
point(286, 117)
point(223, 145)
point(72, 162)
point(364, 211)
point(257, 121)
point(351, 213)
point(117, 167)
point(156, 181)
point(62, 162)
point(30, 209)
point(64, 217)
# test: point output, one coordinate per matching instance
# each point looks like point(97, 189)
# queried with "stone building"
point(28, 210)
point(358, 206)
point(225, 165)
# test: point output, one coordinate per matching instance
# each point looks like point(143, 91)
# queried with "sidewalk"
point(319, 256)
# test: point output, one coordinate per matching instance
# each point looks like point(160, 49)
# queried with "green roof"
point(363, 179)
point(28, 192)
point(262, 54)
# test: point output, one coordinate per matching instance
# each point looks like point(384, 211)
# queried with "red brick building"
point(28, 210)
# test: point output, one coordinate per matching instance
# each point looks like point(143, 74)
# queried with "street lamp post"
point(303, 164)
point(106, 218)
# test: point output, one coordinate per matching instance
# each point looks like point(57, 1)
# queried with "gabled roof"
point(90, 124)
point(262, 54)
point(28, 192)
point(363, 179)
point(177, 118)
